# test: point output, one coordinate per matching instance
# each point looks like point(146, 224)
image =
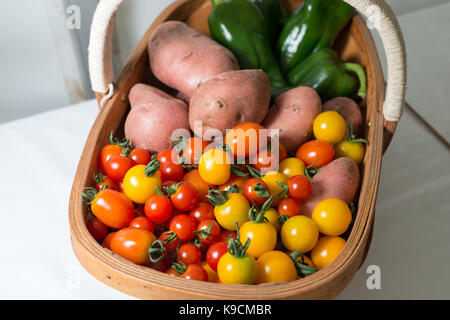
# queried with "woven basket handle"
point(377, 11)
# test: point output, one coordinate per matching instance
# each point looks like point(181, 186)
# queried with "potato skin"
point(293, 114)
point(183, 58)
point(338, 179)
point(153, 117)
point(350, 110)
point(229, 99)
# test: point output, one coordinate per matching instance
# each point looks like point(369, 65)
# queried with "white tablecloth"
point(38, 162)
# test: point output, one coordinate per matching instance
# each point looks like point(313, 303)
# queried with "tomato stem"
point(152, 166)
point(235, 246)
point(157, 248)
point(352, 136)
point(88, 196)
point(255, 173)
point(237, 170)
point(302, 268)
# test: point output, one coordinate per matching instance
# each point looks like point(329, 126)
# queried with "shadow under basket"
point(355, 44)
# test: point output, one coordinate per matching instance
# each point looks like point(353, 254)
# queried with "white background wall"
point(32, 77)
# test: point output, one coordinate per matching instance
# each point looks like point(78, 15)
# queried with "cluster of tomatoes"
point(193, 212)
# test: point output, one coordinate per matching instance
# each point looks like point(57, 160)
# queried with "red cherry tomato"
point(167, 155)
point(96, 228)
point(195, 272)
point(189, 254)
point(139, 156)
point(184, 226)
point(300, 187)
point(106, 153)
point(256, 191)
point(202, 211)
point(315, 153)
point(215, 252)
point(185, 198)
point(171, 171)
point(226, 234)
point(104, 182)
point(117, 167)
point(208, 231)
point(142, 223)
point(161, 265)
point(289, 207)
point(158, 208)
point(140, 210)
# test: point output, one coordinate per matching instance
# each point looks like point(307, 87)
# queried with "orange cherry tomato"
point(315, 153)
point(234, 179)
point(264, 161)
point(113, 208)
point(133, 244)
point(282, 152)
point(107, 241)
point(243, 139)
point(193, 177)
point(193, 150)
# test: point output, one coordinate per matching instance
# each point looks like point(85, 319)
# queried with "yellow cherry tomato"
point(231, 269)
point(271, 179)
point(235, 209)
point(299, 233)
point(332, 216)
point(212, 275)
point(327, 249)
point(329, 126)
point(272, 216)
point(352, 150)
point(275, 266)
point(215, 166)
point(138, 186)
point(292, 167)
point(262, 235)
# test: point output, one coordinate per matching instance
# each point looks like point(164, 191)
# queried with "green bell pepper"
point(329, 76)
point(239, 25)
point(274, 15)
point(313, 25)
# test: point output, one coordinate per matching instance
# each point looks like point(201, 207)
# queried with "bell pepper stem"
point(216, 2)
point(360, 73)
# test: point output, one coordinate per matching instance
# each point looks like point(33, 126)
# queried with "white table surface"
point(412, 228)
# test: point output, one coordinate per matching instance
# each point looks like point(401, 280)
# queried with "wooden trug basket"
point(354, 44)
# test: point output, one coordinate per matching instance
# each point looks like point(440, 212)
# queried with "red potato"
point(229, 99)
point(350, 110)
point(338, 179)
point(183, 58)
point(293, 114)
point(153, 117)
